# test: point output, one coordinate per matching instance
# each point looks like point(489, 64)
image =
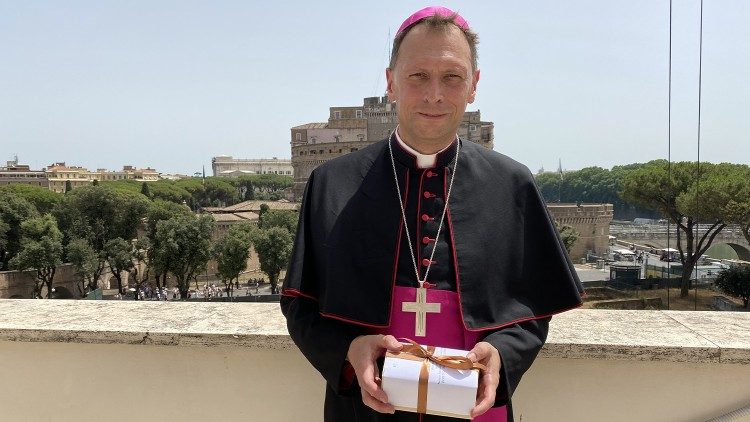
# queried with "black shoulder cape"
point(511, 265)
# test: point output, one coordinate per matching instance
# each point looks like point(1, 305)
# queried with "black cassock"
point(498, 249)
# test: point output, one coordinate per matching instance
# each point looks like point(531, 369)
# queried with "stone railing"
point(155, 361)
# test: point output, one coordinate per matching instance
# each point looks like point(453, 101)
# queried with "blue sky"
point(169, 84)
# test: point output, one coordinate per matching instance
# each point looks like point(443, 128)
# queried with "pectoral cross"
point(420, 308)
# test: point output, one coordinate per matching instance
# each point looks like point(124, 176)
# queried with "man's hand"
point(362, 355)
point(487, 355)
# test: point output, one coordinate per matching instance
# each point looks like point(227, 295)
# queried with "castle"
point(351, 128)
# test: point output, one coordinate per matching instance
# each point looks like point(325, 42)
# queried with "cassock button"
point(426, 218)
point(428, 195)
point(426, 240)
point(430, 173)
point(427, 262)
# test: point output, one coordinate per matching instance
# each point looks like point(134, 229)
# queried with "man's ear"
point(474, 81)
point(389, 84)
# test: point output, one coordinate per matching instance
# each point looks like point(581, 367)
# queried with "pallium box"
point(434, 380)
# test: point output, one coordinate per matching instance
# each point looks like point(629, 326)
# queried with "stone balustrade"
point(155, 361)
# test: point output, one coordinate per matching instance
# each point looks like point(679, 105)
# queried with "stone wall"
point(21, 284)
point(591, 221)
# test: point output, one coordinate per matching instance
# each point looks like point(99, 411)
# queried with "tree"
point(274, 247)
point(160, 210)
point(142, 264)
point(41, 250)
point(245, 187)
point(99, 214)
point(85, 260)
point(278, 218)
point(267, 184)
point(119, 253)
point(231, 253)
point(739, 205)
point(592, 185)
point(687, 194)
point(43, 199)
point(184, 247)
point(568, 234)
point(145, 190)
point(4, 229)
point(735, 281)
point(14, 210)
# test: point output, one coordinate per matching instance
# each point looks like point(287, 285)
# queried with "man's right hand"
point(362, 355)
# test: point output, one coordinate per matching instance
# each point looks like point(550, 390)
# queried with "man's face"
point(431, 82)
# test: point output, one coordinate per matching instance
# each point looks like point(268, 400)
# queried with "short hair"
point(438, 22)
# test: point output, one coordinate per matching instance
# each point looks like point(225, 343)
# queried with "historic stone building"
point(59, 173)
point(225, 165)
point(591, 221)
point(14, 173)
point(351, 128)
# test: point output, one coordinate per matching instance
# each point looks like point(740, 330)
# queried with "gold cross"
point(420, 308)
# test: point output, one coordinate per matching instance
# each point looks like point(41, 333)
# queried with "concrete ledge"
point(670, 336)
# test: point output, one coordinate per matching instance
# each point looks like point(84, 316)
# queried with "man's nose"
point(433, 91)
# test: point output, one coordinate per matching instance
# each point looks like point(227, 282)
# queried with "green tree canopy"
point(86, 262)
point(568, 234)
point(14, 210)
point(145, 191)
point(279, 218)
point(99, 214)
point(274, 247)
point(119, 253)
point(184, 247)
point(43, 199)
point(735, 281)
point(41, 250)
point(687, 194)
point(592, 185)
point(231, 253)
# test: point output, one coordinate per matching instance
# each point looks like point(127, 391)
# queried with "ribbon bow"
point(454, 362)
point(413, 351)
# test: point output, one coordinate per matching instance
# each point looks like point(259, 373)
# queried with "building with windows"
point(60, 173)
point(351, 128)
point(226, 166)
point(14, 173)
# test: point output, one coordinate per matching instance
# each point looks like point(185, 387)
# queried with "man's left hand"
point(487, 355)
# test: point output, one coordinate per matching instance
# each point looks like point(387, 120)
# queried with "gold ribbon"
point(413, 351)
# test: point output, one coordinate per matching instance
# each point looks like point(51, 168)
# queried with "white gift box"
point(448, 392)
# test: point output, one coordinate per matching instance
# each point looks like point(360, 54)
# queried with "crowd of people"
point(207, 291)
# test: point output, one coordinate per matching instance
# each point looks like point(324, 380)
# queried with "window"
point(472, 128)
point(359, 114)
point(360, 137)
point(298, 136)
point(336, 114)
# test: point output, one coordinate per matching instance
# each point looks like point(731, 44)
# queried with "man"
point(424, 219)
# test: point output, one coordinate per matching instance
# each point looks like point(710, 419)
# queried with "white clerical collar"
point(424, 161)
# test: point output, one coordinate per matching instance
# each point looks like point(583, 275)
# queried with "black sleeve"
point(324, 341)
point(518, 346)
